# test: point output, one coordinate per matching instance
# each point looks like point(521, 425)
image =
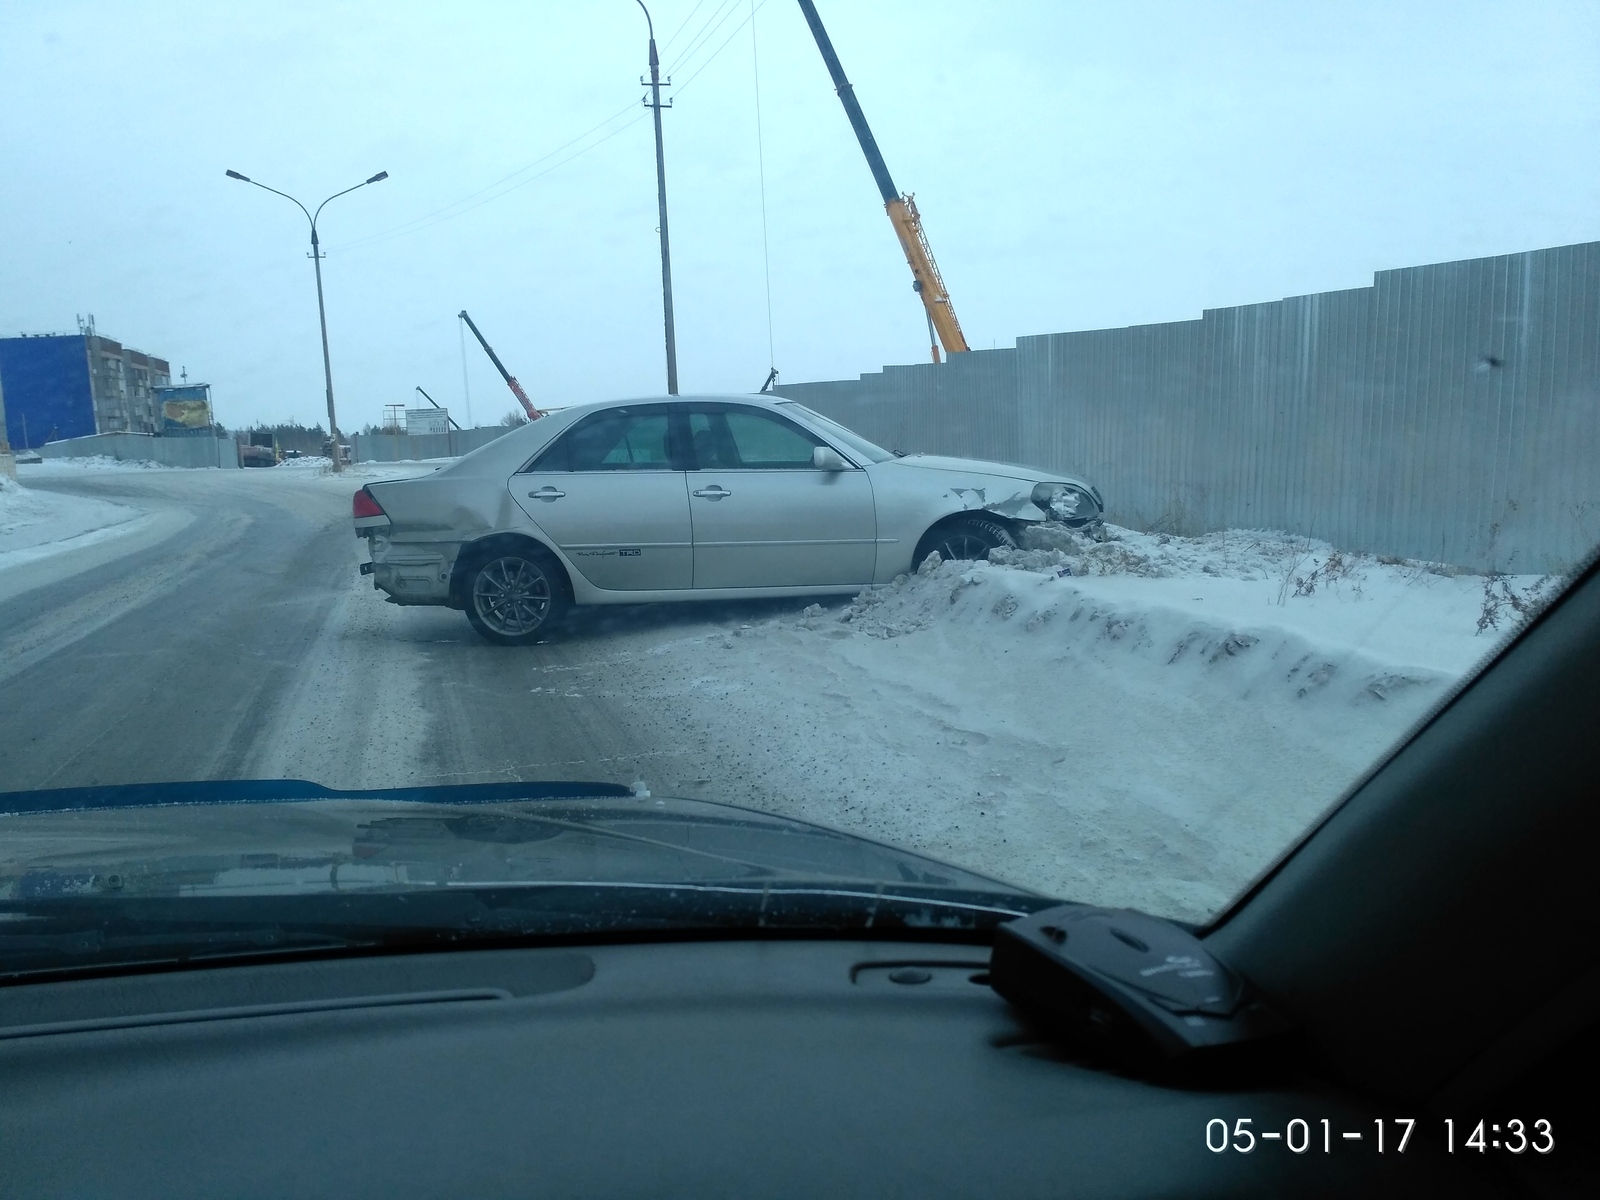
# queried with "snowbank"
point(325, 465)
point(34, 524)
point(1146, 722)
point(299, 470)
point(100, 462)
point(19, 506)
point(1404, 612)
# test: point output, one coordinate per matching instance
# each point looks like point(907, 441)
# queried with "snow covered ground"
point(1152, 729)
point(362, 470)
point(1146, 721)
point(93, 462)
point(35, 524)
point(64, 533)
point(318, 473)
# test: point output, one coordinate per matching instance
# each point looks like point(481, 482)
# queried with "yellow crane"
point(902, 209)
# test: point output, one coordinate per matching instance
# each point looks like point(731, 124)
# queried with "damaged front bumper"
point(1071, 506)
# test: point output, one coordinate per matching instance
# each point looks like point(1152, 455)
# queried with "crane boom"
point(511, 380)
point(902, 209)
point(440, 407)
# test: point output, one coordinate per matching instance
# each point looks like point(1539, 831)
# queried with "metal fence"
point(144, 447)
point(1449, 412)
point(405, 447)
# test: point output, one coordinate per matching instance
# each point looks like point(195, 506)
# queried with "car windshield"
point(849, 438)
point(368, 440)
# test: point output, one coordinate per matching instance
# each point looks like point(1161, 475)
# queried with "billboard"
point(184, 407)
point(427, 420)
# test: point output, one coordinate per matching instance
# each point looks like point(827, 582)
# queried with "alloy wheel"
point(963, 545)
point(511, 596)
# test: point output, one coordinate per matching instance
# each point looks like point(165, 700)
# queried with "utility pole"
point(654, 103)
point(9, 468)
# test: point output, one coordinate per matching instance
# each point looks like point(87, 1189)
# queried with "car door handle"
point(715, 492)
point(546, 493)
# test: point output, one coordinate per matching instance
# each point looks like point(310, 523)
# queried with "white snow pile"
point(1232, 553)
point(1152, 729)
point(104, 462)
point(981, 598)
point(19, 506)
point(309, 462)
point(34, 523)
point(320, 466)
point(1423, 613)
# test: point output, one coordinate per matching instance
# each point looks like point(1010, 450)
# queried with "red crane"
point(511, 380)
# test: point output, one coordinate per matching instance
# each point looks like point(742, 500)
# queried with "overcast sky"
point(1078, 165)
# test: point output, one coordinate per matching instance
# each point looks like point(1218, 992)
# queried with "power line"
point(462, 206)
point(721, 48)
point(421, 223)
point(667, 45)
point(446, 212)
point(723, 11)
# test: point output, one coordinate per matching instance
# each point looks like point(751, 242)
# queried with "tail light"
point(365, 506)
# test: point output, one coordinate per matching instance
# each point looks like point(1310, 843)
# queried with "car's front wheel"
point(968, 537)
point(513, 598)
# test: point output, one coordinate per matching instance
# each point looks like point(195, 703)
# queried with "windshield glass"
point(1238, 364)
point(853, 441)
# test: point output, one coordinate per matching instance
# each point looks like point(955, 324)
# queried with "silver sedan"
point(687, 498)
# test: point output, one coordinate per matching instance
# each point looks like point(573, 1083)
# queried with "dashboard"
point(818, 1068)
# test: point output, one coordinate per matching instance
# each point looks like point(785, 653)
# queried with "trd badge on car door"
point(629, 553)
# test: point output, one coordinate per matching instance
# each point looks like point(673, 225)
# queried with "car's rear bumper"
point(413, 579)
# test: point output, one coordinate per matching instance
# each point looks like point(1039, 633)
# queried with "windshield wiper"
point(53, 946)
point(98, 934)
point(875, 896)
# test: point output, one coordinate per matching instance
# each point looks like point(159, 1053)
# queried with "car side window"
point(733, 438)
point(708, 435)
point(612, 441)
point(765, 441)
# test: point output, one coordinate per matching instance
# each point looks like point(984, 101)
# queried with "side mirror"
point(826, 458)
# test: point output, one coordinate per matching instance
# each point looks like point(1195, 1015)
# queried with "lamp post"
point(322, 315)
point(654, 103)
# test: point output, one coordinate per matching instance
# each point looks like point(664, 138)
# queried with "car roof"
point(756, 401)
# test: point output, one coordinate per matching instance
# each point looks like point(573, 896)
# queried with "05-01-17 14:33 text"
point(1387, 1136)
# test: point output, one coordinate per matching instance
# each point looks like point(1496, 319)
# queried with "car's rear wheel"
point(513, 597)
point(966, 538)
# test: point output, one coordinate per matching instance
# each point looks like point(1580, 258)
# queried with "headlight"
point(1064, 502)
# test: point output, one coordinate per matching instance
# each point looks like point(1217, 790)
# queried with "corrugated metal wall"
point(145, 447)
point(1449, 412)
point(409, 447)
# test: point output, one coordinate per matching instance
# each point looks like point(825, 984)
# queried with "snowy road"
point(1147, 722)
point(231, 636)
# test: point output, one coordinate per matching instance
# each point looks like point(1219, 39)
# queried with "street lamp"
point(322, 315)
point(661, 199)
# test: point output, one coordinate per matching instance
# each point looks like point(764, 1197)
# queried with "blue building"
point(72, 385)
